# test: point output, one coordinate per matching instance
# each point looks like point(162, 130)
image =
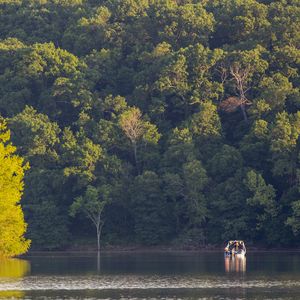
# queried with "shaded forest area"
point(177, 120)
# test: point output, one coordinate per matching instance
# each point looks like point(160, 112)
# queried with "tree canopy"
point(12, 224)
point(185, 112)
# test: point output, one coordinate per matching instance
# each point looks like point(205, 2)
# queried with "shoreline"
point(156, 249)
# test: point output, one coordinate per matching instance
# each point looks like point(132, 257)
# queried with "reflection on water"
point(235, 264)
point(10, 271)
point(14, 268)
point(12, 294)
point(98, 262)
point(148, 276)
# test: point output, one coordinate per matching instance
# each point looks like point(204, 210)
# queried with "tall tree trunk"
point(98, 238)
point(134, 145)
point(98, 262)
point(243, 109)
point(99, 225)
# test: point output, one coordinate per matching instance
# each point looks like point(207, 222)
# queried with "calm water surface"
point(151, 276)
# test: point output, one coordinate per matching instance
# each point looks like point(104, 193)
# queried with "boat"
point(235, 248)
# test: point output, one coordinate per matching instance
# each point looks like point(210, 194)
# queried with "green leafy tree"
point(285, 17)
point(81, 157)
point(35, 75)
point(202, 66)
point(181, 149)
point(89, 32)
point(37, 136)
point(92, 204)
point(173, 84)
point(229, 214)
point(275, 91)
point(151, 218)
point(38, 139)
point(239, 22)
point(206, 129)
point(174, 193)
point(294, 220)
point(225, 163)
point(138, 131)
point(195, 181)
point(285, 59)
point(262, 199)
point(255, 146)
point(206, 123)
point(42, 21)
point(285, 134)
point(180, 25)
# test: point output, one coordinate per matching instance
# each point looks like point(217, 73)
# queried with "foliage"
point(175, 120)
point(150, 209)
point(92, 204)
point(12, 224)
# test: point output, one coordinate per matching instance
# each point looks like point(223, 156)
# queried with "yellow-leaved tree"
point(12, 224)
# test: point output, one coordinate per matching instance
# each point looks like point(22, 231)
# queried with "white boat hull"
point(241, 254)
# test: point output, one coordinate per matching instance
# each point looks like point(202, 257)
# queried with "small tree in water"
point(92, 204)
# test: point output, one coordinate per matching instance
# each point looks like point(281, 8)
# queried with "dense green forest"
point(158, 121)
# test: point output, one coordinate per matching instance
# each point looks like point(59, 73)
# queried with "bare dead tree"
point(222, 69)
point(133, 127)
point(231, 104)
point(240, 76)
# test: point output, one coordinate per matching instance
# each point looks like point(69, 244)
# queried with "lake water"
point(151, 276)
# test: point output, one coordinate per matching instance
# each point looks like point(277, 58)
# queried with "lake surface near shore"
point(166, 275)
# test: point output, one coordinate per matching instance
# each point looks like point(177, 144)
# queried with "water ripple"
point(33, 283)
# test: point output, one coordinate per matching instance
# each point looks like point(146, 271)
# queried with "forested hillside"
point(181, 117)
